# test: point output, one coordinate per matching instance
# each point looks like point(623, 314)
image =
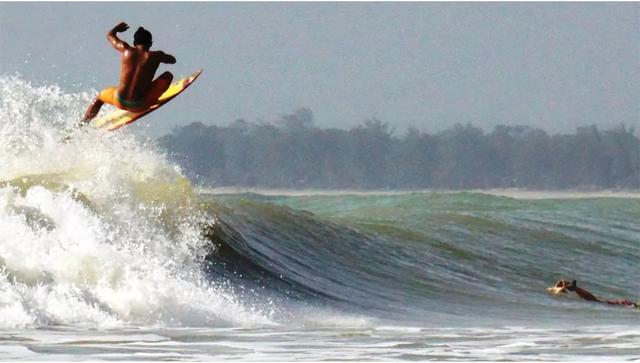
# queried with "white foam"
point(97, 230)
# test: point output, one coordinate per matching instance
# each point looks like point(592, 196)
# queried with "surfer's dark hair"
point(142, 37)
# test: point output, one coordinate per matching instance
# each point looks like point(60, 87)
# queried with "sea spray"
point(96, 228)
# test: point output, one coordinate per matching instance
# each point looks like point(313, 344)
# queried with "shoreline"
point(510, 193)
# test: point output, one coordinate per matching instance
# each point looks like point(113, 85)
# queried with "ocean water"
point(107, 252)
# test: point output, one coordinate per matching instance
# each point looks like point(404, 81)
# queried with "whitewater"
point(108, 252)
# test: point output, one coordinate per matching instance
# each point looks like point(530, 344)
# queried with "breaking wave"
point(99, 229)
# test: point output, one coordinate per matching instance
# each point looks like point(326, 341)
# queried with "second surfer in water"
point(137, 89)
point(565, 286)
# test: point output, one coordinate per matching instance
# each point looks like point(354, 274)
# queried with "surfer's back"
point(137, 69)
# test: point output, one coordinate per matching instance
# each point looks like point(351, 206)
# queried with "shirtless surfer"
point(566, 286)
point(137, 89)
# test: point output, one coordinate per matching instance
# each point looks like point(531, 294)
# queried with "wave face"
point(99, 229)
point(447, 257)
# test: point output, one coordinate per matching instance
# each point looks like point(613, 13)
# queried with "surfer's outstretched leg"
point(107, 95)
point(93, 110)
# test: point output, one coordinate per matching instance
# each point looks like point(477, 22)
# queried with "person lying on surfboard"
point(137, 89)
point(565, 287)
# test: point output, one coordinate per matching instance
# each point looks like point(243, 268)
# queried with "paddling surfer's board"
point(119, 118)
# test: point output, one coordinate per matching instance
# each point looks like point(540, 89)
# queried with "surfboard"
point(119, 118)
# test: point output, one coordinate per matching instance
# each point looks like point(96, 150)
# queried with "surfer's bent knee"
point(167, 76)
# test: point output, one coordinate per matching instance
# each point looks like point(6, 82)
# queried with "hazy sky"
point(430, 65)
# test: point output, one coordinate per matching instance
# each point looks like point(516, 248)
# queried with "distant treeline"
point(292, 153)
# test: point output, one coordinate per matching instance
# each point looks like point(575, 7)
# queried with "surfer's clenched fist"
point(122, 27)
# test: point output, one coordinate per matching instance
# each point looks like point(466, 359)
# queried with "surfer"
point(564, 286)
point(137, 89)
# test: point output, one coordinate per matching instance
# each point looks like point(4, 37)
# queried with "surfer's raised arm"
point(117, 43)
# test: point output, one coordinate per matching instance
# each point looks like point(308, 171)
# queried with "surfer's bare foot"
point(93, 110)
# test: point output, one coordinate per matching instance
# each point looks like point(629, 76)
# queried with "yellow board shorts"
point(110, 95)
